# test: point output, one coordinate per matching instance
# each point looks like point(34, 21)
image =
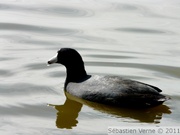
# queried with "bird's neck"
point(75, 74)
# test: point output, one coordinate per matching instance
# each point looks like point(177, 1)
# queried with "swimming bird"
point(110, 90)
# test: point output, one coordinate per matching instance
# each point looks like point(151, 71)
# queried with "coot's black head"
point(73, 62)
point(67, 57)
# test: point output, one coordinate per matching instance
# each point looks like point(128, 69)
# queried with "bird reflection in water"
point(68, 112)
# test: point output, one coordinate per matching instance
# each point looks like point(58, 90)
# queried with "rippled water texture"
point(137, 39)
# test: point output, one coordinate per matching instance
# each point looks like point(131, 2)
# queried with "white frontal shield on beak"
point(53, 59)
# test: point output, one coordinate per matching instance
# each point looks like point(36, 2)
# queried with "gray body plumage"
point(114, 90)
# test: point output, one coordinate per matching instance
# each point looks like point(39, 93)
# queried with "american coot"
point(111, 90)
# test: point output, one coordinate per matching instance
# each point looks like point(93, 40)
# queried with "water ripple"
point(67, 11)
point(55, 10)
point(127, 7)
point(89, 38)
point(22, 89)
point(168, 70)
point(27, 40)
point(28, 110)
point(36, 29)
point(57, 74)
point(109, 56)
point(6, 73)
point(37, 66)
point(143, 31)
point(141, 9)
point(6, 58)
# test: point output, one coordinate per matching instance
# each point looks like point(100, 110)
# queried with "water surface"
point(134, 39)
